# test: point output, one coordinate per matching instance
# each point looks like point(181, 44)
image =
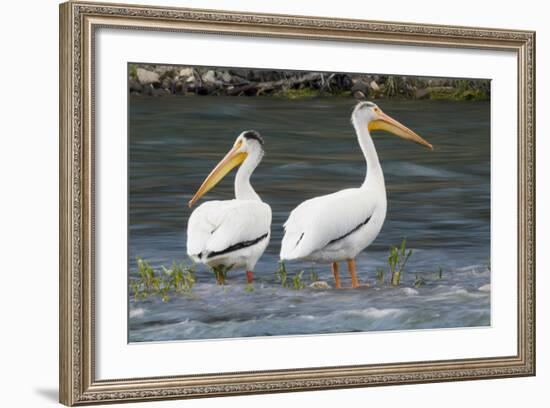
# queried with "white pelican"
point(338, 226)
point(233, 233)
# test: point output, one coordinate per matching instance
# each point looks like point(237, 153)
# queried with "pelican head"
point(247, 143)
point(370, 115)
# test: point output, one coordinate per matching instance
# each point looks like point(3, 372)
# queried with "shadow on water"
point(439, 200)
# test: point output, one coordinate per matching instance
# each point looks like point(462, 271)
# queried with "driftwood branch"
point(259, 88)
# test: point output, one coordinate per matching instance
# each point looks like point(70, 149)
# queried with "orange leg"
point(351, 268)
point(336, 275)
point(249, 276)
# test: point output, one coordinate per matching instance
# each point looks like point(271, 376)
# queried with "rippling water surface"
point(439, 200)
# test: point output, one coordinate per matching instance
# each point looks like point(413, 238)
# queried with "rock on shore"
point(160, 80)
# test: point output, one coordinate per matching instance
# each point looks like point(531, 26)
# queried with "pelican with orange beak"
point(337, 227)
point(232, 233)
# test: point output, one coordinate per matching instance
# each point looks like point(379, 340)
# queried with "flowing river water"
point(439, 200)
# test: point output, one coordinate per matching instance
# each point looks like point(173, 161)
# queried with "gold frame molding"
point(78, 22)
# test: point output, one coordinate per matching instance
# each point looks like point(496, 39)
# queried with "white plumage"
point(334, 227)
point(338, 226)
point(233, 233)
point(216, 226)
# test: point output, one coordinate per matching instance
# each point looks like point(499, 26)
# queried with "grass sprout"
point(419, 281)
point(380, 276)
point(178, 279)
point(295, 282)
point(313, 276)
point(397, 260)
point(282, 274)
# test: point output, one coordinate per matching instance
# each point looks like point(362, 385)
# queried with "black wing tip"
point(235, 247)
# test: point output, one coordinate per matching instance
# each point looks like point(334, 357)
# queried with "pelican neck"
point(243, 188)
point(374, 173)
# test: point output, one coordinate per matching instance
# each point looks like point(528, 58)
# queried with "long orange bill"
point(231, 160)
point(385, 122)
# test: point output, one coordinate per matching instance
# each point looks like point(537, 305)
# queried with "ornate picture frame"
point(78, 24)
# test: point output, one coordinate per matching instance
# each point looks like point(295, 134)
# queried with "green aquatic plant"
point(282, 274)
point(249, 288)
point(179, 279)
point(136, 288)
point(164, 293)
point(149, 279)
point(380, 276)
point(297, 282)
point(397, 260)
point(220, 272)
point(313, 276)
point(419, 281)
